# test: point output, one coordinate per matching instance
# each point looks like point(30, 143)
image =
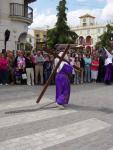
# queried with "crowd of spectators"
point(34, 68)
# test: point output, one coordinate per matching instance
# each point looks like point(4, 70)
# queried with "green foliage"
point(61, 34)
point(105, 38)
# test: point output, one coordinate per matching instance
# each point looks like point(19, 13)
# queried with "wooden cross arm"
point(56, 55)
point(52, 74)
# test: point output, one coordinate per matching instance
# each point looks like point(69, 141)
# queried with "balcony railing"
point(21, 12)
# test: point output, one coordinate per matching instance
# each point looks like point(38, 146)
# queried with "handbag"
point(24, 76)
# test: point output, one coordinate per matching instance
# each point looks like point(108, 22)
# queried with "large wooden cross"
point(55, 69)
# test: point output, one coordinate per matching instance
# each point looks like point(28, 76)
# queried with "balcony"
point(30, 1)
point(20, 12)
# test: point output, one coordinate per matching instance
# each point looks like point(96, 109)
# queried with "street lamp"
point(111, 39)
point(7, 36)
point(111, 35)
point(38, 43)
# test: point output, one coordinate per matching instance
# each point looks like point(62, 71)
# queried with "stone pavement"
point(86, 124)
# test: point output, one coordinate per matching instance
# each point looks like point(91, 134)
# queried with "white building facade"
point(88, 31)
point(15, 16)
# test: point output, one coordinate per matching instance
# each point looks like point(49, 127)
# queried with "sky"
point(45, 12)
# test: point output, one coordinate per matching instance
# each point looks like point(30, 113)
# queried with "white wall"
point(16, 28)
point(94, 32)
point(16, 1)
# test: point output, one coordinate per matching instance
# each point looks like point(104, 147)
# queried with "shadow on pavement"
point(90, 108)
point(52, 105)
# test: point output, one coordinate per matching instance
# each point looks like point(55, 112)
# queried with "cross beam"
point(52, 74)
point(56, 55)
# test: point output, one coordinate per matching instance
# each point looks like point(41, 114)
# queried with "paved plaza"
point(86, 124)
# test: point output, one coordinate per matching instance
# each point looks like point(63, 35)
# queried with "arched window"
point(81, 40)
point(88, 40)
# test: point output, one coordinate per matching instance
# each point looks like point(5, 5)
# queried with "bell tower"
point(87, 20)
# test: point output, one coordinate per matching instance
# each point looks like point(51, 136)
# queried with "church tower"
point(87, 20)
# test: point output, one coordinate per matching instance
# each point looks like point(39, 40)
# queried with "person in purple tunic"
point(108, 68)
point(63, 83)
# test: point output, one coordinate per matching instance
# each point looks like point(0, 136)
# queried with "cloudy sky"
point(45, 11)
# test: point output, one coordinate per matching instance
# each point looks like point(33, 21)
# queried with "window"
point(84, 24)
point(98, 30)
point(91, 24)
point(37, 35)
point(88, 31)
point(84, 20)
point(44, 38)
point(80, 31)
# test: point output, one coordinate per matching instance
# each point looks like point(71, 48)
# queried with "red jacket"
point(3, 64)
point(95, 65)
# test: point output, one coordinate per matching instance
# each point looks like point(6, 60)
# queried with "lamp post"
point(7, 36)
point(47, 28)
point(45, 40)
point(38, 43)
point(111, 39)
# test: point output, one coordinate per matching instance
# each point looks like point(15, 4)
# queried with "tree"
point(105, 38)
point(61, 33)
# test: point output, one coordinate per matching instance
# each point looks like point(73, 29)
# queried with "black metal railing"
point(21, 10)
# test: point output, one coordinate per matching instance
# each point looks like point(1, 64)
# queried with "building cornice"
point(86, 16)
point(88, 27)
point(30, 1)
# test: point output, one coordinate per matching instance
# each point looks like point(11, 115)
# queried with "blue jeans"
point(87, 74)
point(77, 78)
point(46, 75)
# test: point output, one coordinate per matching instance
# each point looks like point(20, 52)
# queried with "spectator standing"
point(87, 68)
point(29, 69)
point(20, 67)
point(3, 70)
point(72, 62)
point(47, 67)
point(39, 61)
point(82, 64)
point(52, 65)
point(101, 69)
point(10, 58)
point(77, 74)
point(94, 68)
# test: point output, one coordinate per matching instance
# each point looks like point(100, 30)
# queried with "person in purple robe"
point(108, 68)
point(63, 83)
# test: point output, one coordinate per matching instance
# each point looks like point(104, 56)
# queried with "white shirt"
point(62, 63)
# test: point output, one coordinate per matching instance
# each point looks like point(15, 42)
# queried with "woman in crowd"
point(87, 68)
point(19, 67)
point(94, 68)
point(3, 70)
point(77, 74)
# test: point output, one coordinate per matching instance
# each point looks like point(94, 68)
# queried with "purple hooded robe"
point(63, 84)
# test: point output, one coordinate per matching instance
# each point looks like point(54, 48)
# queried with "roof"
point(63, 46)
point(86, 15)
